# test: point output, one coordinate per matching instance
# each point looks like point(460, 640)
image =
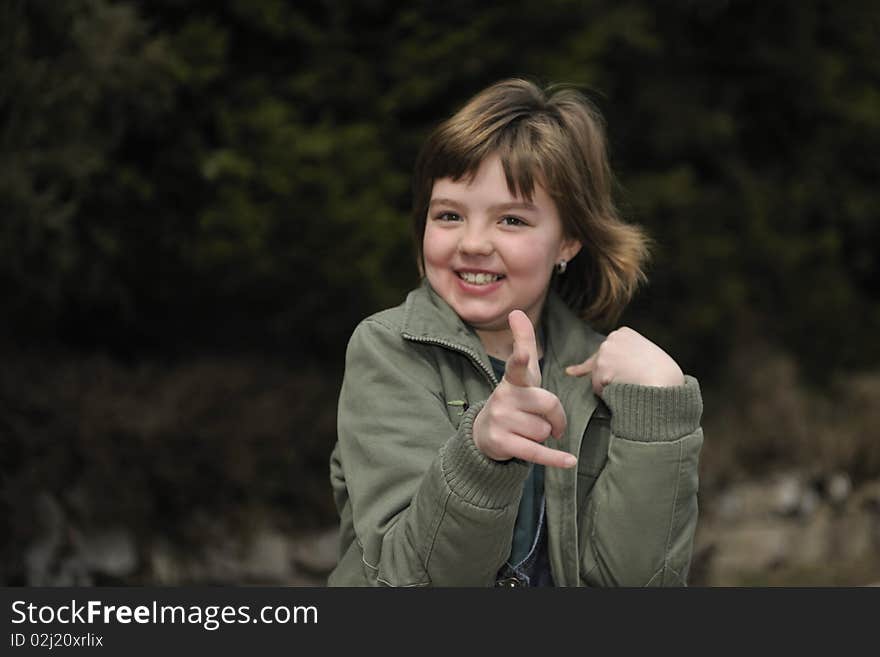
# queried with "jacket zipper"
point(462, 350)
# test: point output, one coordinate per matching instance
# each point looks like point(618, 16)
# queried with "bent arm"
point(427, 506)
point(642, 513)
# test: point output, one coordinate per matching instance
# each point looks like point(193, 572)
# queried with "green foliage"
point(76, 76)
point(188, 177)
point(223, 174)
point(770, 231)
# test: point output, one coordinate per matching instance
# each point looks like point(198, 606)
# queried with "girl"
point(487, 435)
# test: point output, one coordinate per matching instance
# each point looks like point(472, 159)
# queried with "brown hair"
point(554, 137)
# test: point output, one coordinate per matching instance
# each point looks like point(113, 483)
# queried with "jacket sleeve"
point(642, 512)
point(427, 506)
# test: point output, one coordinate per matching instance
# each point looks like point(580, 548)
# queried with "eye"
point(510, 220)
point(447, 216)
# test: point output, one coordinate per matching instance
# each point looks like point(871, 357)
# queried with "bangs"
point(521, 144)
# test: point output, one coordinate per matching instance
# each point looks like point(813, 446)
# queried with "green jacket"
point(420, 505)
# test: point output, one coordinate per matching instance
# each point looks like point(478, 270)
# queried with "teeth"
point(479, 279)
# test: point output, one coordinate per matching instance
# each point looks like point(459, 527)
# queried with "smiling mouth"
point(479, 279)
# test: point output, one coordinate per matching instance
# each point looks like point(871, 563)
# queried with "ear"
point(569, 249)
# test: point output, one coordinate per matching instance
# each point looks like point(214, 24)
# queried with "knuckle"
point(545, 430)
point(561, 419)
point(539, 430)
point(494, 441)
point(550, 404)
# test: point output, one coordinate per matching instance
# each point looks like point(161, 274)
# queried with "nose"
point(475, 240)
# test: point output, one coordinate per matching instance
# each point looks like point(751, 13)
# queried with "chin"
point(484, 321)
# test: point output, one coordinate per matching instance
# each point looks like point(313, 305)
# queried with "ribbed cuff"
point(475, 477)
point(651, 414)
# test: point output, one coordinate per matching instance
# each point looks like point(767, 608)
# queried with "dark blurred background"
point(200, 200)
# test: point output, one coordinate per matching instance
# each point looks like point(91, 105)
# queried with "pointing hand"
point(520, 415)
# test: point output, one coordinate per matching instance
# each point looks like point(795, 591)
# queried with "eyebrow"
point(499, 207)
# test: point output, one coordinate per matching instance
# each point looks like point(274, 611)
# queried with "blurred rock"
point(809, 503)
point(853, 535)
point(867, 497)
point(808, 541)
point(109, 552)
point(784, 525)
point(788, 495)
point(54, 557)
point(742, 500)
point(750, 549)
point(316, 553)
point(268, 558)
point(41, 556)
point(166, 567)
point(838, 487)
point(794, 496)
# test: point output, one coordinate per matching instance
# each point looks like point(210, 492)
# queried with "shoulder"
point(379, 343)
point(396, 319)
point(383, 327)
point(422, 313)
point(374, 338)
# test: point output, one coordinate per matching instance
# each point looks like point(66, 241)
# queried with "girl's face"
point(488, 252)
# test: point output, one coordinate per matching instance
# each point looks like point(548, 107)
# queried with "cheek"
point(436, 247)
point(531, 259)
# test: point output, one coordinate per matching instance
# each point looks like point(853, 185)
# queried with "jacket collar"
point(569, 339)
point(429, 317)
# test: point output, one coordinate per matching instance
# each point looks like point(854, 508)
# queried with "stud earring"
point(561, 266)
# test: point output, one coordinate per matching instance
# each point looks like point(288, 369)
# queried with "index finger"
point(581, 369)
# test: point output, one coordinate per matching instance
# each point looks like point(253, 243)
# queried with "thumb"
point(522, 366)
